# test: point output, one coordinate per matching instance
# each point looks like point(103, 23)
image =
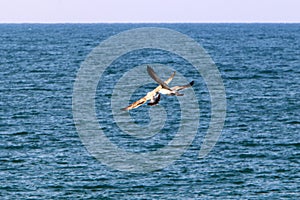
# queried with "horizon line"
point(153, 22)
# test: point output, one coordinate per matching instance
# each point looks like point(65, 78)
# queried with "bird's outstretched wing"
point(154, 76)
point(181, 87)
point(136, 104)
point(149, 96)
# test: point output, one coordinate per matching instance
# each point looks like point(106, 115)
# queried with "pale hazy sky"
point(84, 11)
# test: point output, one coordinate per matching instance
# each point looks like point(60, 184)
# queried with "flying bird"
point(163, 88)
point(173, 91)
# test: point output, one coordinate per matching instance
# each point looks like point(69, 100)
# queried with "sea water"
point(256, 157)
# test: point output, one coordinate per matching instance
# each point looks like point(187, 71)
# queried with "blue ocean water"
point(257, 155)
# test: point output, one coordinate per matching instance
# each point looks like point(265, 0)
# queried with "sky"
point(134, 11)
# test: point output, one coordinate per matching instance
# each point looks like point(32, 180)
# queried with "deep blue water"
point(257, 155)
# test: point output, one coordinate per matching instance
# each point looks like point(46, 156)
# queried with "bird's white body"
point(163, 88)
